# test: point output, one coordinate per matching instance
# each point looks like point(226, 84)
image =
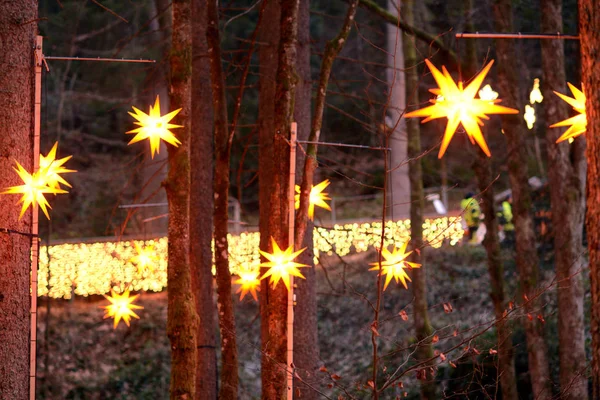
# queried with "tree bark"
point(526, 253)
point(201, 207)
point(16, 119)
point(306, 344)
point(589, 33)
point(182, 320)
point(483, 171)
point(567, 202)
point(400, 183)
point(415, 173)
point(229, 357)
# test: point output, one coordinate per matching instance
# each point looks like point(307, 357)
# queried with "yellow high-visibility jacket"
point(508, 216)
point(471, 212)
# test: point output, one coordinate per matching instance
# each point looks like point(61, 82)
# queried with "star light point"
point(249, 282)
point(51, 168)
point(577, 124)
point(121, 307)
point(394, 265)
point(459, 105)
point(145, 258)
point(281, 265)
point(316, 198)
point(154, 127)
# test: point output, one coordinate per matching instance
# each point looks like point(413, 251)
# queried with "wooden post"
point(38, 61)
point(290, 308)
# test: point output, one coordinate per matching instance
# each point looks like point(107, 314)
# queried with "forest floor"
point(80, 356)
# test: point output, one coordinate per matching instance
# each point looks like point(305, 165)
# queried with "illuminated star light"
point(577, 124)
point(145, 259)
point(121, 307)
point(154, 127)
point(52, 168)
point(33, 189)
point(281, 265)
point(488, 94)
point(460, 106)
point(395, 265)
point(249, 282)
point(316, 198)
point(535, 96)
point(529, 116)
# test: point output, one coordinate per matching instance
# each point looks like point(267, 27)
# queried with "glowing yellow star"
point(281, 264)
point(316, 198)
point(154, 127)
point(460, 106)
point(529, 116)
point(121, 307)
point(33, 189)
point(395, 265)
point(146, 258)
point(577, 124)
point(53, 168)
point(535, 96)
point(249, 282)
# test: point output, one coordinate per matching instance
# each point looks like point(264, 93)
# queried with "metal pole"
point(517, 35)
point(290, 308)
point(37, 108)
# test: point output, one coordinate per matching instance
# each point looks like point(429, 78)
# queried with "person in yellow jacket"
point(471, 214)
point(507, 216)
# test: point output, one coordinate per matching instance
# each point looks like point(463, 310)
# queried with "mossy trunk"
point(201, 208)
point(182, 319)
point(423, 328)
point(483, 171)
point(526, 252)
point(589, 33)
point(567, 189)
point(16, 119)
point(229, 357)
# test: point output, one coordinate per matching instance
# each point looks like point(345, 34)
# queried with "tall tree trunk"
point(182, 320)
point(269, 35)
point(482, 167)
point(400, 184)
point(526, 253)
point(16, 111)
point(201, 206)
point(223, 139)
point(306, 344)
point(566, 195)
point(589, 33)
point(415, 173)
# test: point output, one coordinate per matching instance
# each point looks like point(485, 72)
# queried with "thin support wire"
point(356, 146)
point(518, 35)
point(125, 60)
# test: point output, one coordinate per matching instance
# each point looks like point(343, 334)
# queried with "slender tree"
point(589, 33)
point(223, 140)
point(16, 118)
point(482, 167)
point(566, 175)
point(526, 253)
point(415, 173)
point(201, 207)
point(182, 319)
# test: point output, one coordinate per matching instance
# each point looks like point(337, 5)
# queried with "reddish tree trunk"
point(567, 196)
point(589, 33)
point(201, 207)
point(526, 253)
point(182, 320)
point(16, 119)
point(229, 358)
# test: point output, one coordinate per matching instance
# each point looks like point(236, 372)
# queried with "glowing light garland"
point(95, 268)
point(460, 107)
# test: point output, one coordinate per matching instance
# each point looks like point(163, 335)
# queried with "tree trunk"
point(182, 320)
point(400, 184)
point(16, 119)
point(269, 35)
point(526, 253)
point(566, 195)
point(589, 33)
point(229, 358)
point(483, 171)
point(201, 207)
point(419, 285)
point(306, 344)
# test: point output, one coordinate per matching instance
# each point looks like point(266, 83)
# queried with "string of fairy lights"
point(120, 267)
